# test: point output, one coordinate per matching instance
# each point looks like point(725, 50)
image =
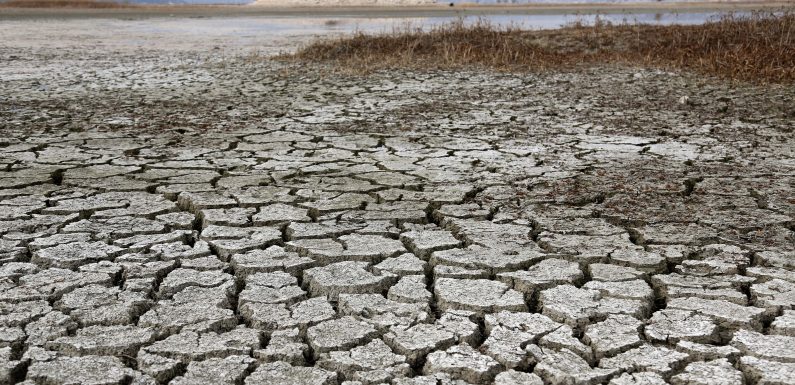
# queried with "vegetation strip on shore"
point(757, 47)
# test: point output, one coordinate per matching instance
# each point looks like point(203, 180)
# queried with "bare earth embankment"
point(177, 207)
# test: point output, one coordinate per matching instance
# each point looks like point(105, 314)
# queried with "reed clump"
point(756, 47)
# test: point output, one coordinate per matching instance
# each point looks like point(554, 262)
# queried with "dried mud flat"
point(191, 215)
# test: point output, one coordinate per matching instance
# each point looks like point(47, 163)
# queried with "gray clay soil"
point(198, 214)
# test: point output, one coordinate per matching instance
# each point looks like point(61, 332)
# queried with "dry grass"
point(64, 4)
point(759, 47)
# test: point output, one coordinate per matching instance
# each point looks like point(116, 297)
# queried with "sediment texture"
point(249, 222)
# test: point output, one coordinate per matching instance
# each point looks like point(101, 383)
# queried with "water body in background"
point(202, 2)
point(560, 1)
point(545, 21)
point(331, 26)
point(321, 25)
point(439, 1)
point(525, 21)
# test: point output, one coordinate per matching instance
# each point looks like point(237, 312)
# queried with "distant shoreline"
point(386, 11)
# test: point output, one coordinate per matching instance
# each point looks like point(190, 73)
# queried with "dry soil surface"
point(183, 210)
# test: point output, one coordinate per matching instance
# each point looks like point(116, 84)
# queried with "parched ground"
point(200, 215)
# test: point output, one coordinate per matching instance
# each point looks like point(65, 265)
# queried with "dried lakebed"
point(200, 217)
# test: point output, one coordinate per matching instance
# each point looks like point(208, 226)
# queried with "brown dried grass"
point(757, 47)
point(64, 4)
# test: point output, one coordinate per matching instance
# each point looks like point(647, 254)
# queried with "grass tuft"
point(63, 4)
point(757, 47)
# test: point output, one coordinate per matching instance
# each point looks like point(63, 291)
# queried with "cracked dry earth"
point(201, 218)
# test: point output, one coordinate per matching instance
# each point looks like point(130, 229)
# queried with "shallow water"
point(522, 21)
point(244, 26)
